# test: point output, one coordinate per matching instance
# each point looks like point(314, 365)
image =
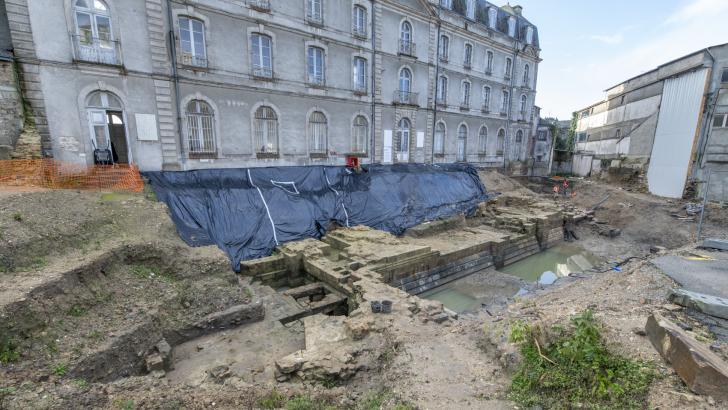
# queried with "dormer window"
point(512, 26)
point(724, 76)
point(492, 17)
point(529, 35)
point(446, 4)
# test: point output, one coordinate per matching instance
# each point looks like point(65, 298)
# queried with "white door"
point(99, 129)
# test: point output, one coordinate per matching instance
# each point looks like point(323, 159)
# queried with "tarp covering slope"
point(247, 212)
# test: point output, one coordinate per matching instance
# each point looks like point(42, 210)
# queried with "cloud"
point(606, 39)
point(697, 9)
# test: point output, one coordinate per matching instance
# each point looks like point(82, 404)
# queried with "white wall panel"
point(676, 130)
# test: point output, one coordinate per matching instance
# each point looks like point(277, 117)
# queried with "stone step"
point(440, 277)
point(410, 278)
point(447, 279)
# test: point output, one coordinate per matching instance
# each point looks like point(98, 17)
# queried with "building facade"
point(183, 84)
point(668, 120)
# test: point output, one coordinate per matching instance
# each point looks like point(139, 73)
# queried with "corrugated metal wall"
point(676, 131)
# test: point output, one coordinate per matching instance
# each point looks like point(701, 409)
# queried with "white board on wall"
point(146, 125)
point(387, 149)
point(420, 139)
point(676, 131)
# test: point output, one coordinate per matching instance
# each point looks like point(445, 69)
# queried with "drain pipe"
point(509, 118)
point(175, 79)
point(437, 84)
point(373, 133)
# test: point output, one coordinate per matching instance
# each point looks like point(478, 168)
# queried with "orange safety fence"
point(49, 173)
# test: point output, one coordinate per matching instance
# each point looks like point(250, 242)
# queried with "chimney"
point(517, 9)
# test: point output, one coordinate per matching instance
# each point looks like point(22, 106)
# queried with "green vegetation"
point(17, 217)
point(81, 383)
point(124, 404)
point(150, 272)
point(576, 370)
point(8, 350)
point(77, 311)
point(60, 369)
point(375, 400)
point(273, 400)
point(306, 403)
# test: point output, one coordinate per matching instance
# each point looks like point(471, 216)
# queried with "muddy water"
point(556, 262)
point(481, 289)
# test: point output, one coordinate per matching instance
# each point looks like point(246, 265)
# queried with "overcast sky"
point(590, 45)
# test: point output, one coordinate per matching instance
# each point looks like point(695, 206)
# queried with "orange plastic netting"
point(50, 173)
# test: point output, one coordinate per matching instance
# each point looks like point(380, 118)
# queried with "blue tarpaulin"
point(248, 212)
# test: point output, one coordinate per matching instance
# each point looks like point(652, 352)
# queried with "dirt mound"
point(495, 181)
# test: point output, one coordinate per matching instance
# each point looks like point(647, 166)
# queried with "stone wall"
point(11, 109)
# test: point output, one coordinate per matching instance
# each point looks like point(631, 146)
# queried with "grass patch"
point(576, 370)
point(60, 369)
point(272, 400)
point(17, 217)
point(77, 311)
point(8, 351)
point(150, 272)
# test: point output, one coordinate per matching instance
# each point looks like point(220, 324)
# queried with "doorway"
point(108, 128)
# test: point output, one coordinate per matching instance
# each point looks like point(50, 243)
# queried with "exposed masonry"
point(28, 68)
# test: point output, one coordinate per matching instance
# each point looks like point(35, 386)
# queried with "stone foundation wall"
point(11, 109)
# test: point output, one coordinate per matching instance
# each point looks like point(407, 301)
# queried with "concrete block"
point(701, 370)
point(714, 243)
point(710, 305)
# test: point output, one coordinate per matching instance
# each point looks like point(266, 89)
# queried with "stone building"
point(11, 120)
point(667, 121)
point(187, 84)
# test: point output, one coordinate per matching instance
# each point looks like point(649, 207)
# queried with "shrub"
point(576, 370)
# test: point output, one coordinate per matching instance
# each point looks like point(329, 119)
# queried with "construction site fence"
point(54, 174)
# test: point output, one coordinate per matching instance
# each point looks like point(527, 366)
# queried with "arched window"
point(192, 41)
point(200, 128)
point(462, 142)
point(360, 74)
point(359, 23)
point(360, 135)
point(486, 99)
point(261, 57)
point(318, 130)
point(440, 138)
point(403, 135)
point(482, 139)
point(94, 39)
point(405, 39)
point(526, 70)
point(517, 146)
point(265, 130)
point(523, 104)
point(489, 62)
point(405, 86)
point(442, 90)
point(501, 142)
point(509, 67)
point(468, 58)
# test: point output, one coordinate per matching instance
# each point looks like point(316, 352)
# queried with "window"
point(261, 60)
point(512, 26)
point(581, 136)
point(440, 138)
point(317, 130)
point(316, 66)
point(442, 90)
point(489, 62)
point(486, 99)
point(315, 11)
point(462, 142)
point(200, 128)
point(541, 135)
point(406, 46)
point(509, 67)
point(465, 97)
point(468, 55)
point(360, 74)
point(447, 4)
point(192, 42)
point(501, 141)
point(504, 102)
point(405, 80)
point(517, 145)
point(720, 120)
point(529, 35)
point(403, 135)
point(526, 70)
point(360, 135)
point(359, 22)
point(265, 129)
point(724, 76)
point(482, 139)
point(94, 40)
point(492, 17)
point(523, 104)
point(618, 134)
point(444, 48)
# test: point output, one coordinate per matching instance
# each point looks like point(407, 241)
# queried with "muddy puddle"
point(556, 262)
point(481, 289)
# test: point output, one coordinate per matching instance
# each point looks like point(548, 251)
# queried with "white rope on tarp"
point(337, 194)
point(275, 237)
